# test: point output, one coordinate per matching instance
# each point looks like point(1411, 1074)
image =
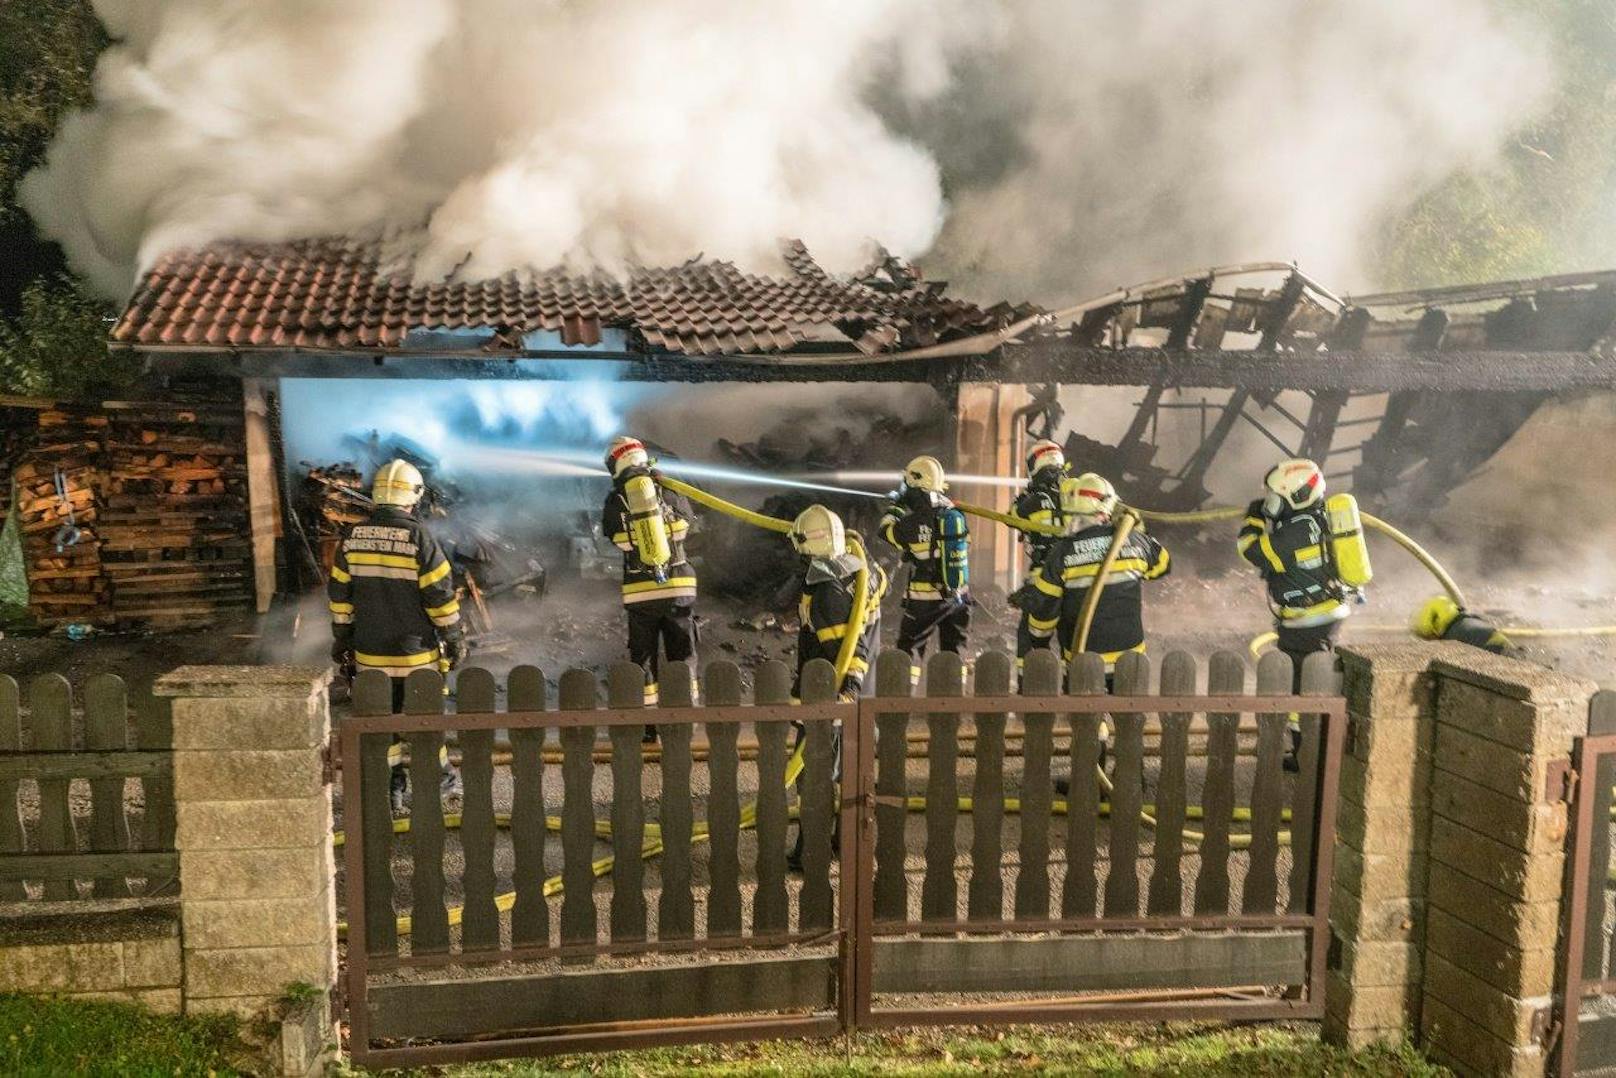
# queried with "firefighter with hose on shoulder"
point(392, 599)
point(930, 534)
point(659, 584)
point(1440, 618)
point(1040, 503)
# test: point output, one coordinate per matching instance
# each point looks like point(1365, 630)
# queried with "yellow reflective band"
point(1121, 565)
point(1048, 587)
point(1307, 553)
point(921, 585)
point(391, 561)
point(858, 666)
point(1271, 554)
point(340, 575)
point(1255, 522)
point(396, 662)
point(1160, 567)
point(1243, 543)
point(620, 538)
point(432, 576)
point(835, 632)
point(653, 585)
point(1042, 625)
point(341, 608)
point(450, 607)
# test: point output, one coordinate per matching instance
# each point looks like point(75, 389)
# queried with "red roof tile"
point(340, 294)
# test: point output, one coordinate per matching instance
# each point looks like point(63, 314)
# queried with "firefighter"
point(392, 599)
point(1441, 618)
point(1040, 503)
point(931, 536)
point(659, 585)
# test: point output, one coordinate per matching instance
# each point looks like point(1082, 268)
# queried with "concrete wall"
point(130, 956)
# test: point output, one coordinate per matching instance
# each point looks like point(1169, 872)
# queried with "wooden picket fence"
point(41, 840)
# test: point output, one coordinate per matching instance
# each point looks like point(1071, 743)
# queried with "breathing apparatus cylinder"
point(647, 528)
point(1348, 550)
point(955, 549)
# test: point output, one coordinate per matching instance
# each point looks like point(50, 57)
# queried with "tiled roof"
point(346, 294)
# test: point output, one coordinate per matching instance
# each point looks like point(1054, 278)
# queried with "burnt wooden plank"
point(1041, 677)
point(772, 691)
point(625, 688)
point(676, 909)
point(890, 887)
point(939, 890)
point(578, 693)
point(106, 729)
point(525, 690)
point(476, 691)
point(1319, 678)
point(1080, 890)
point(1127, 792)
point(50, 703)
point(985, 897)
point(1261, 891)
point(723, 689)
point(1086, 963)
point(429, 916)
point(11, 833)
point(1226, 675)
point(373, 695)
point(816, 803)
point(467, 1008)
point(1166, 897)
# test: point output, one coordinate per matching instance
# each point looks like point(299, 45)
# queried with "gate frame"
point(1586, 753)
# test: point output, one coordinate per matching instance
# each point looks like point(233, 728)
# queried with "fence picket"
point(373, 695)
point(1080, 890)
point(1261, 890)
point(1127, 791)
point(939, 891)
point(816, 803)
point(891, 786)
point(50, 702)
point(1226, 676)
point(578, 693)
point(625, 688)
point(530, 916)
point(476, 691)
point(1040, 677)
point(676, 909)
point(1319, 678)
point(1166, 897)
point(985, 899)
point(106, 728)
point(429, 916)
point(770, 912)
point(723, 689)
point(1595, 963)
point(11, 835)
point(154, 732)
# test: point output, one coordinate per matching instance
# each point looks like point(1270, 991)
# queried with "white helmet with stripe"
point(818, 533)
point(624, 453)
point(1295, 484)
point(925, 473)
point(1087, 499)
point(398, 482)
point(1045, 454)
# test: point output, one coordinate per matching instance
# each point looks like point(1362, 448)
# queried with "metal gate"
point(1143, 910)
point(1587, 1021)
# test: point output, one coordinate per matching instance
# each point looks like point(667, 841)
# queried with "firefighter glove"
point(456, 650)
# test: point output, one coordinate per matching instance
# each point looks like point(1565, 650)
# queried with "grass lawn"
point(43, 1036)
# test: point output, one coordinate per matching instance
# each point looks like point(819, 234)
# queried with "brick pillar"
point(1497, 858)
point(1382, 834)
point(258, 909)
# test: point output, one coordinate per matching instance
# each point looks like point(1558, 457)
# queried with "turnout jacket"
point(640, 584)
point(914, 527)
point(391, 593)
point(1039, 502)
point(1477, 632)
point(1059, 584)
point(1293, 555)
point(825, 611)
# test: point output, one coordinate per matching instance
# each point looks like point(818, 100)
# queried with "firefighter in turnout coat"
point(1039, 503)
point(931, 536)
point(659, 585)
point(825, 607)
point(391, 596)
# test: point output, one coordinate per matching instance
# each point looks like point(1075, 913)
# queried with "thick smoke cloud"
point(1077, 145)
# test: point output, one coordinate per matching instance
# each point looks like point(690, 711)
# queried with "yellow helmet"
point(1087, 497)
point(1045, 454)
point(925, 473)
point(399, 483)
point(1434, 617)
point(1296, 483)
point(818, 533)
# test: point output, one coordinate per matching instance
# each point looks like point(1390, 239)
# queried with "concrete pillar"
point(258, 909)
point(1382, 837)
point(1497, 858)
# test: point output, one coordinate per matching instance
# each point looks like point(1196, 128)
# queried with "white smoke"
point(1079, 144)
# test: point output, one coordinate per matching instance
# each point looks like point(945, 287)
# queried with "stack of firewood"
point(175, 536)
point(59, 516)
point(17, 426)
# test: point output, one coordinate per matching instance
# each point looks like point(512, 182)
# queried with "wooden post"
point(263, 489)
point(988, 443)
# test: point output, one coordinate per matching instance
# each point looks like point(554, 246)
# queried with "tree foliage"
point(57, 345)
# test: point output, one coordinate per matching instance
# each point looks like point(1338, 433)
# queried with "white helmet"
point(1087, 498)
point(1296, 484)
point(1045, 454)
point(625, 452)
point(818, 533)
point(398, 482)
point(925, 473)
